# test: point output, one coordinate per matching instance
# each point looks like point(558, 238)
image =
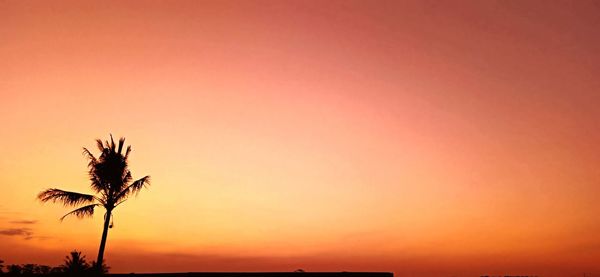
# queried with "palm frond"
point(127, 178)
point(68, 198)
point(112, 143)
point(135, 187)
point(127, 152)
point(96, 183)
point(100, 145)
point(121, 144)
point(81, 212)
point(90, 156)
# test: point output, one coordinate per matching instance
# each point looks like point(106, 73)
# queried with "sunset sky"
point(426, 138)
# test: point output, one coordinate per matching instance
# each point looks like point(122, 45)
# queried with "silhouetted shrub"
point(75, 264)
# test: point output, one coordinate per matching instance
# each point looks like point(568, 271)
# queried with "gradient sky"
point(427, 138)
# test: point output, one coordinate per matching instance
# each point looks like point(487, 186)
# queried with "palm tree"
point(110, 180)
point(75, 263)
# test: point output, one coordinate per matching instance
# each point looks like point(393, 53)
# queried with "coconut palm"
point(111, 182)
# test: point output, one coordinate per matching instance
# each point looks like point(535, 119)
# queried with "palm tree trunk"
point(100, 260)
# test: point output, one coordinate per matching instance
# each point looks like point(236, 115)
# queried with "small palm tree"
point(75, 263)
point(110, 180)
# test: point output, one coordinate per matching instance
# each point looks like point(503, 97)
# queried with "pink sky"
point(427, 138)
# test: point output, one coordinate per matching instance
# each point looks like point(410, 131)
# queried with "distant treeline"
point(74, 265)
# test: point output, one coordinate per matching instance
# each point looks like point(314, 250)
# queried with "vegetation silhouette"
point(102, 270)
point(110, 180)
point(74, 265)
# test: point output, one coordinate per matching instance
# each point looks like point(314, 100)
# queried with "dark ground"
point(261, 274)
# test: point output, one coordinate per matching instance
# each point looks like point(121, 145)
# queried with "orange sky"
point(427, 138)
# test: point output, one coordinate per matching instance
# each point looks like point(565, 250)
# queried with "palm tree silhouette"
point(110, 180)
point(75, 263)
